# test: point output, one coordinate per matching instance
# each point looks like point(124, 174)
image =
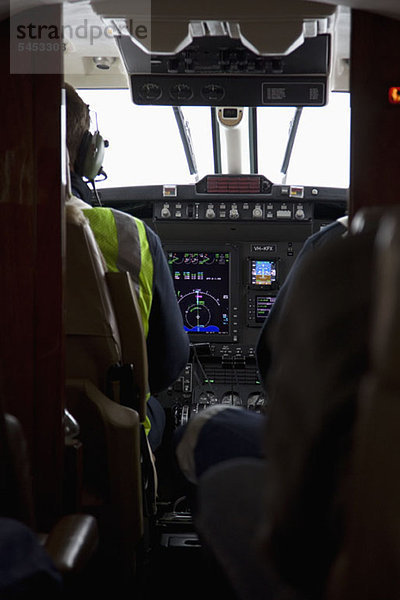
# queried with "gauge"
point(174, 258)
point(150, 91)
point(221, 259)
point(181, 91)
point(200, 311)
point(205, 259)
point(213, 92)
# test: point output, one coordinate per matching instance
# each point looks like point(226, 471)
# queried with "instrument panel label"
point(281, 93)
point(263, 247)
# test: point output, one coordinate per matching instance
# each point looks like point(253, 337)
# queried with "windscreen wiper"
point(186, 138)
point(289, 147)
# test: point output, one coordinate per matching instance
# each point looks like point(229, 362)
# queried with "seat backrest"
point(32, 560)
point(112, 478)
point(366, 219)
point(93, 343)
point(103, 323)
point(311, 414)
point(368, 564)
point(16, 494)
point(106, 389)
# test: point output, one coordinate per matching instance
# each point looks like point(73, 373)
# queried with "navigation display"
point(201, 281)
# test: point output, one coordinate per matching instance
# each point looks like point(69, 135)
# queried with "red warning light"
point(394, 95)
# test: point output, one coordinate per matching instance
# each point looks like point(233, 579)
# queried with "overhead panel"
point(220, 53)
point(220, 70)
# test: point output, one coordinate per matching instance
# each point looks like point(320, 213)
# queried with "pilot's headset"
point(90, 156)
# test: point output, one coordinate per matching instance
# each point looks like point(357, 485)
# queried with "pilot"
point(315, 349)
point(128, 244)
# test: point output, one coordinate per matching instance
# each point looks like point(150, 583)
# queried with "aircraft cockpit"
point(227, 131)
point(234, 147)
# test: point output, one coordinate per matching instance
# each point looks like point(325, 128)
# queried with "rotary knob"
point(210, 213)
point(257, 212)
point(165, 212)
point(150, 91)
point(234, 213)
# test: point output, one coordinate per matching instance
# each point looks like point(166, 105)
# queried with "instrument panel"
point(229, 253)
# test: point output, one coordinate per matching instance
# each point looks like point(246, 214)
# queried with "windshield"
point(145, 143)
point(321, 151)
point(146, 147)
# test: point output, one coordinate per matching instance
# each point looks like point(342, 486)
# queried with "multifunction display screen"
point(263, 273)
point(202, 286)
point(263, 307)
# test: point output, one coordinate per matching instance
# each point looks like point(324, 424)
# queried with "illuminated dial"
point(181, 91)
point(200, 311)
point(151, 91)
point(205, 259)
point(213, 92)
point(197, 316)
point(173, 259)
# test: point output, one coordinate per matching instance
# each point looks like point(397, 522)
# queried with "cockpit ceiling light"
point(104, 62)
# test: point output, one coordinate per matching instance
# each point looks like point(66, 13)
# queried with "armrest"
point(72, 542)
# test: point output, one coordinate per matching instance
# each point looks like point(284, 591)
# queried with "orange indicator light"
point(394, 95)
